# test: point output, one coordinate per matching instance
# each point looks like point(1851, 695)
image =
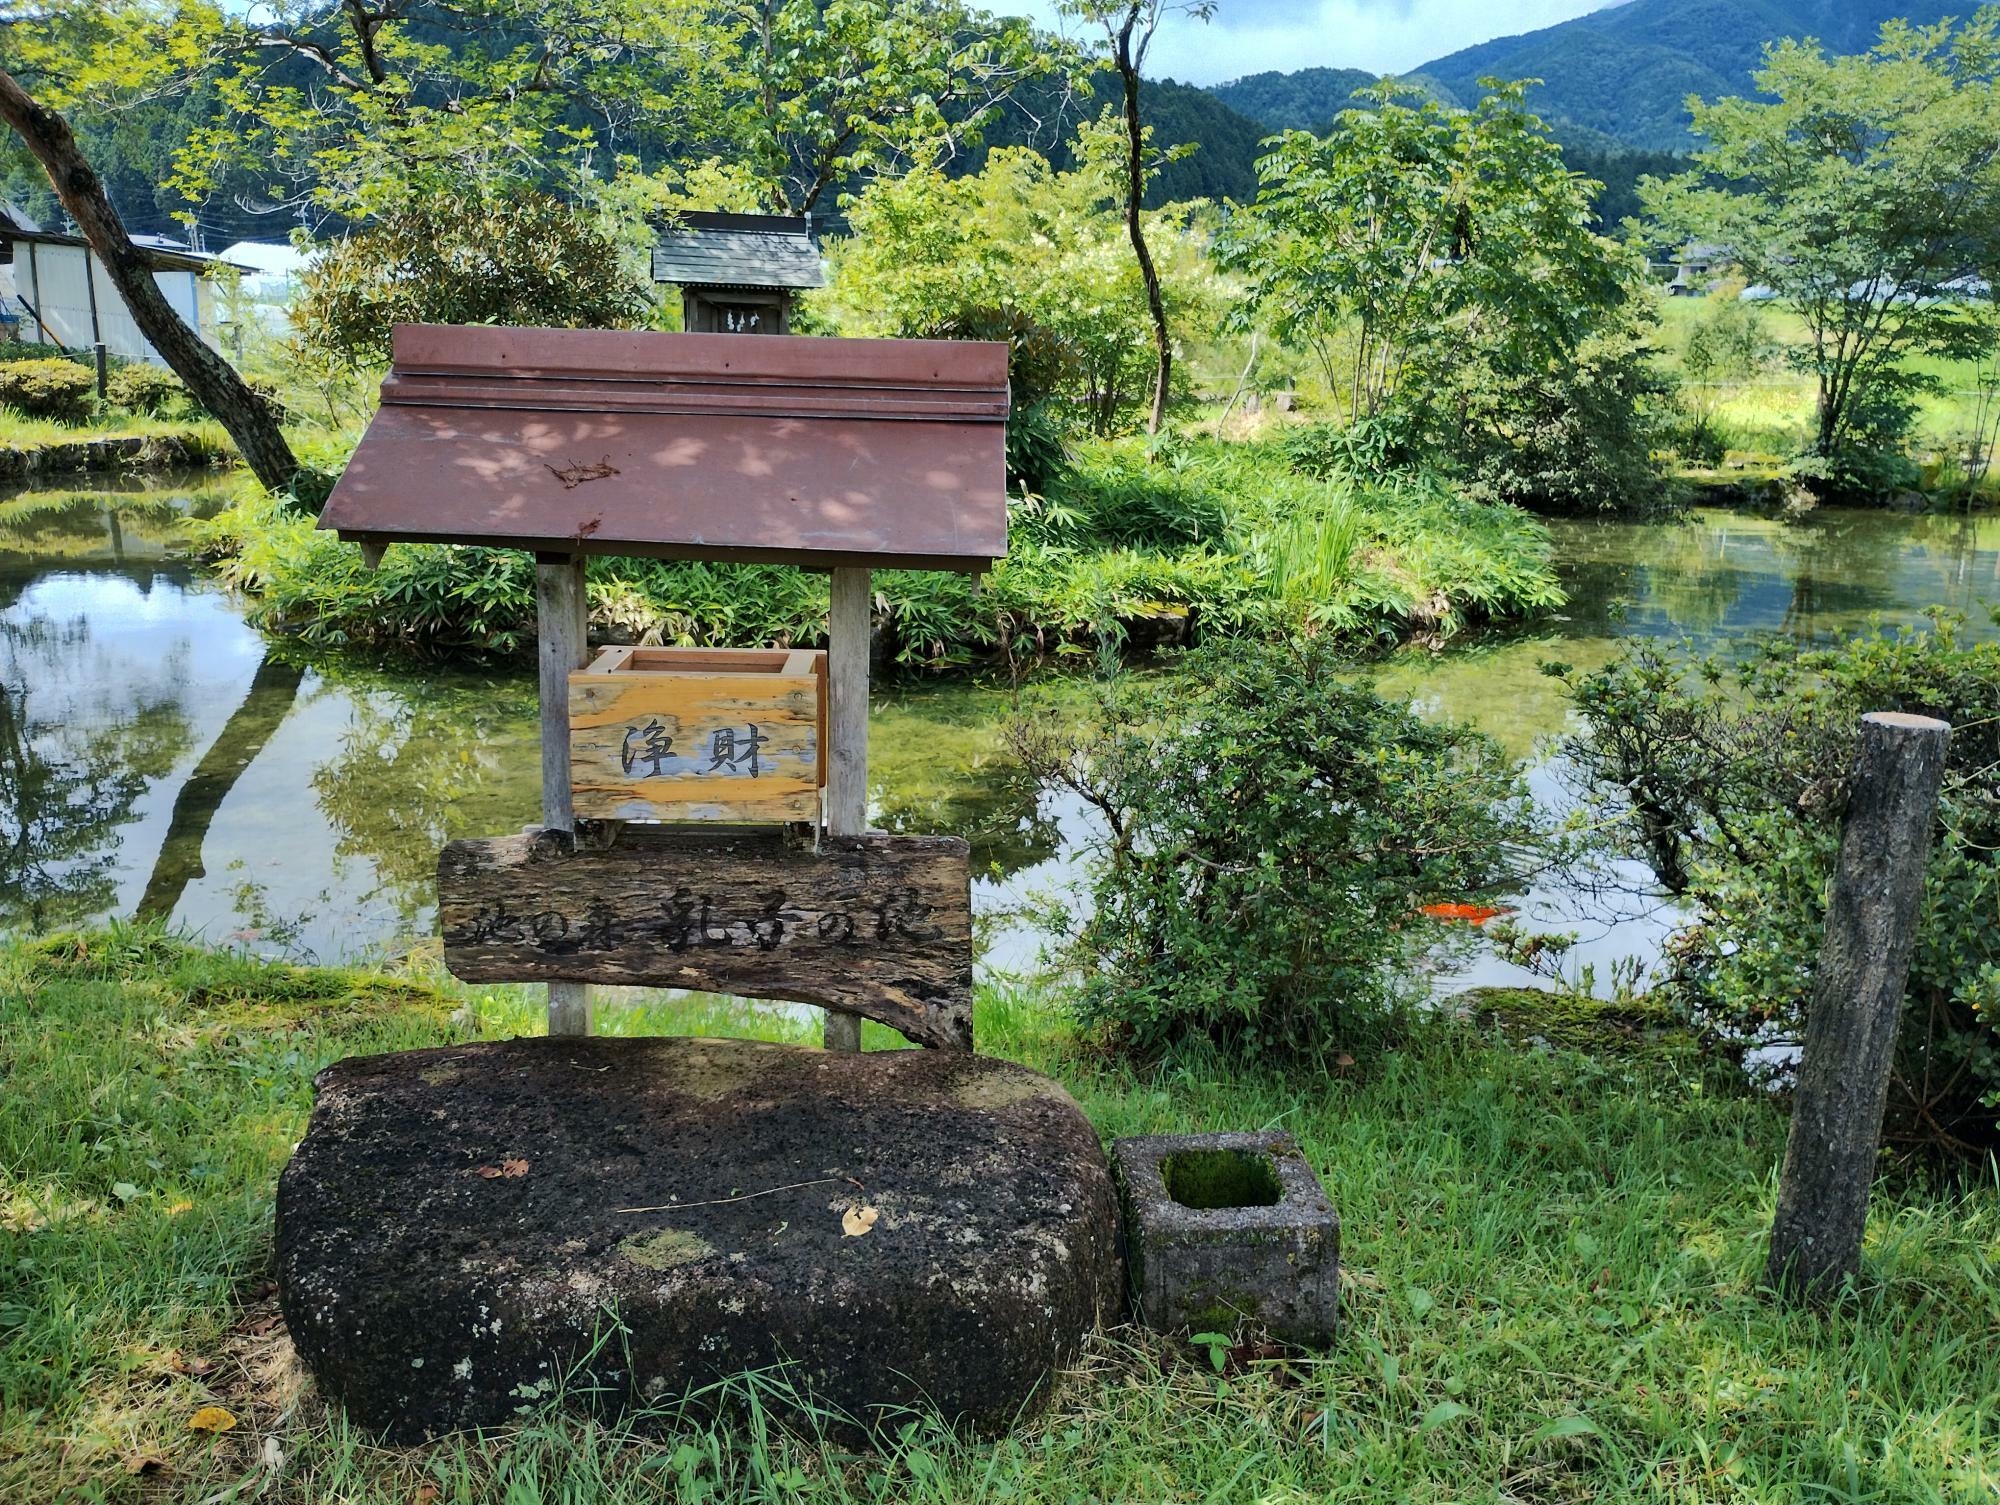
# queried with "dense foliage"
point(522, 258)
point(1441, 266)
point(49, 388)
point(1273, 830)
point(1731, 785)
point(1866, 192)
point(153, 390)
point(1131, 549)
point(1306, 100)
point(931, 254)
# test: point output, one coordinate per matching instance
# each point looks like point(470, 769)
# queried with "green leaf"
point(1565, 1426)
point(124, 1191)
point(1444, 1411)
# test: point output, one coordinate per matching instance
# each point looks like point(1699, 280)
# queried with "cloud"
point(1383, 36)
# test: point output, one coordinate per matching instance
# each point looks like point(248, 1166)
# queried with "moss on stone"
point(1205, 1179)
point(1631, 1026)
point(668, 1249)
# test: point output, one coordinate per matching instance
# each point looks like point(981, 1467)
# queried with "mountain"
point(1302, 101)
point(1222, 166)
point(1627, 70)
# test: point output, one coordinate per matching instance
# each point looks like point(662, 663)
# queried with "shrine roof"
point(739, 250)
point(764, 448)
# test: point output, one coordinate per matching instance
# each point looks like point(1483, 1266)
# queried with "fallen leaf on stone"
point(858, 1220)
point(211, 1419)
point(508, 1168)
point(145, 1463)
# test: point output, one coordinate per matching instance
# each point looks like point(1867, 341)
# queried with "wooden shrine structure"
point(738, 273)
point(703, 811)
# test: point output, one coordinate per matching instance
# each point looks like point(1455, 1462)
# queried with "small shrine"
point(738, 272)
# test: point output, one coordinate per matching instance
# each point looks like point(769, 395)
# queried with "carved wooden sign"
point(879, 926)
point(673, 734)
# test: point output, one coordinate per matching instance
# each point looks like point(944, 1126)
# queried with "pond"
point(159, 756)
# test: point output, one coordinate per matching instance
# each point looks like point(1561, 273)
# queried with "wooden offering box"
point(698, 734)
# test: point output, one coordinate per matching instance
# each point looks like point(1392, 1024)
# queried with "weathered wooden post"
point(562, 633)
point(849, 623)
point(1871, 929)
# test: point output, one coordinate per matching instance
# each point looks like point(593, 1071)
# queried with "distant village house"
point(54, 290)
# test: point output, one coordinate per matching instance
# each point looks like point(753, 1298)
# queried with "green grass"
point(1134, 546)
point(1768, 416)
point(1552, 1263)
point(20, 431)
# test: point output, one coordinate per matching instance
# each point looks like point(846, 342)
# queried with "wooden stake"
point(562, 641)
point(1864, 964)
point(850, 620)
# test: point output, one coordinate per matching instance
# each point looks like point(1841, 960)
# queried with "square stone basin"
point(1229, 1230)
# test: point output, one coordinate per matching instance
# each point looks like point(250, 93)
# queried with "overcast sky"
point(1383, 36)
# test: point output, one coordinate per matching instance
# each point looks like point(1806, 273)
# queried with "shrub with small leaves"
point(1273, 833)
point(1731, 782)
point(56, 389)
point(152, 390)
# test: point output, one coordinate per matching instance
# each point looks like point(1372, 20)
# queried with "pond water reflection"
point(159, 756)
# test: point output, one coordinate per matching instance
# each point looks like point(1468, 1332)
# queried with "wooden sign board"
point(683, 734)
point(879, 926)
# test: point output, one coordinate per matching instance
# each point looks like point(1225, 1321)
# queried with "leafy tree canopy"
point(1866, 192)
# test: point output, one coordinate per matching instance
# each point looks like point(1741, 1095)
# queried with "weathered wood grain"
point(878, 926)
point(1872, 915)
point(712, 735)
point(562, 639)
point(849, 626)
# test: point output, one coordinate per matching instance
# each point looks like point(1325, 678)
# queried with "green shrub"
point(29, 350)
point(1731, 783)
point(152, 390)
point(1575, 436)
point(56, 389)
point(465, 258)
point(1272, 832)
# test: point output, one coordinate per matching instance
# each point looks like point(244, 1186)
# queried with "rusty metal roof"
point(777, 449)
point(739, 250)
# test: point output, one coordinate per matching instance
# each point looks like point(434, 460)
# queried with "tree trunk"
point(212, 380)
point(1135, 192)
point(1864, 965)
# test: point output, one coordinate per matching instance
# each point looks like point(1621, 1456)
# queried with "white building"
point(54, 291)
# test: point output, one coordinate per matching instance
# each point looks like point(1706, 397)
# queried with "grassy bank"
point(1552, 1260)
point(1130, 550)
point(1764, 417)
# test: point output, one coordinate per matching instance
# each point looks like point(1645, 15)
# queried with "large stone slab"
point(456, 1232)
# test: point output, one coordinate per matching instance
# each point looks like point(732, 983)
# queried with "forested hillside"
point(1304, 101)
point(1627, 70)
